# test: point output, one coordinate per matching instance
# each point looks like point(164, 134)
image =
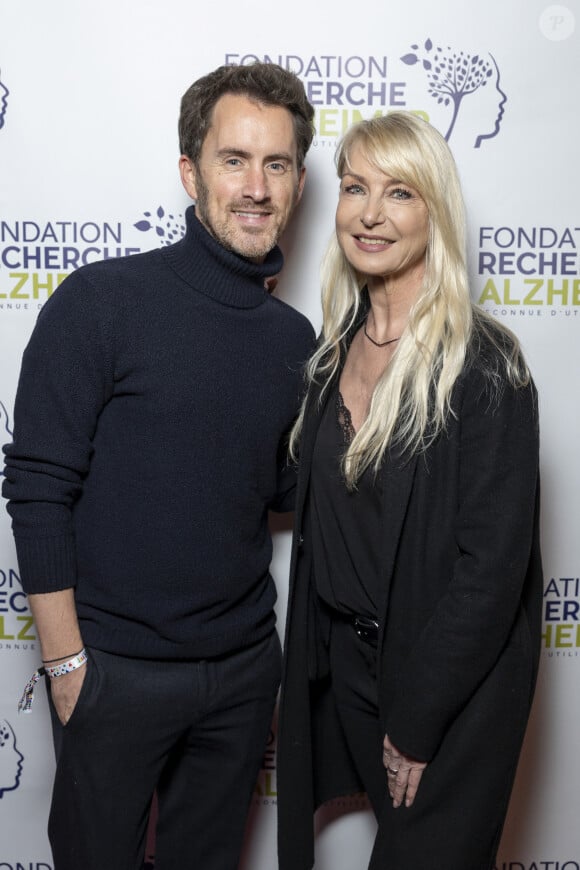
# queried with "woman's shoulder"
point(489, 338)
point(495, 351)
point(495, 367)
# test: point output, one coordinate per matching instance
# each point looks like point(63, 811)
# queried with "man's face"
point(247, 181)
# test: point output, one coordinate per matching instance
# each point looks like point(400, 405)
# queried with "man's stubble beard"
point(254, 247)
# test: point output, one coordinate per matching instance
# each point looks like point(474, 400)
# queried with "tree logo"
point(169, 228)
point(454, 75)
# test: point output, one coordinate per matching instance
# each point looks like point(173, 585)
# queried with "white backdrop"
point(89, 97)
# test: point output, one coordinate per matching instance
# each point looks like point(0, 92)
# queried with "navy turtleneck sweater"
point(150, 421)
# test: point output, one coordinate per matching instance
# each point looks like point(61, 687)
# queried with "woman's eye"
point(401, 193)
point(353, 188)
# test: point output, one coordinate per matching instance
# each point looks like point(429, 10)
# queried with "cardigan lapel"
point(315, 408)
point(398, 475)
point(313, 413)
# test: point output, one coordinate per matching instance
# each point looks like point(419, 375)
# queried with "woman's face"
point(382, 224)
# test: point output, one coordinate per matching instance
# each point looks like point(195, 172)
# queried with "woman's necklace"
point(378, 343)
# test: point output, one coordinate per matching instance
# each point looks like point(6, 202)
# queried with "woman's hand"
point(403, 774)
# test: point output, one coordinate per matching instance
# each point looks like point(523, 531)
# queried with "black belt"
point(366, 627)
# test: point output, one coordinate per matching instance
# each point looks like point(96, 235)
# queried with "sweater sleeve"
point(287, 471)
point(494, 530)
point(65, 380)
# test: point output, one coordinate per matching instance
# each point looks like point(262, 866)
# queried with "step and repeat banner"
point(89, 99)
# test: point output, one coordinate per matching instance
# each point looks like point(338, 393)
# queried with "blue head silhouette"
point(5, 429)
point(3, 101)
point(464, 84)
point(10, 759)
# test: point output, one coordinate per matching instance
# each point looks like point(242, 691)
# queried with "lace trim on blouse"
point(344, 420)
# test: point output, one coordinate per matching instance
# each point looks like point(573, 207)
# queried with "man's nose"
point(256, 183)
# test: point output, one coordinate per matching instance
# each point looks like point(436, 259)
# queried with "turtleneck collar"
point(226, 277)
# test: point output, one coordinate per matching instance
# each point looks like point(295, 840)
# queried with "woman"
point(414, 615)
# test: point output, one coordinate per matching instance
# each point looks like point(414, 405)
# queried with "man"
point(149, 444)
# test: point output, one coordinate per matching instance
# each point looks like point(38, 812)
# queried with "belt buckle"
point(367, 629)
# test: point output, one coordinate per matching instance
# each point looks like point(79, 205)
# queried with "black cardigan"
point(459, 643)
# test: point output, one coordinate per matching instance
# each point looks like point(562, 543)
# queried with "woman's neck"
point(390, 305)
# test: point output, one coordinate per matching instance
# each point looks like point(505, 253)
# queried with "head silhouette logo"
point(4, 92)
point(10, 759)
point(5, 429)
point(456, 77)
point(169, 228)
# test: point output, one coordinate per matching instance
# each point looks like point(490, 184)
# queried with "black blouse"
point(346, 525)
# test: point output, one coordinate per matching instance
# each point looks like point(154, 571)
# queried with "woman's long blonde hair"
point(412, 398)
